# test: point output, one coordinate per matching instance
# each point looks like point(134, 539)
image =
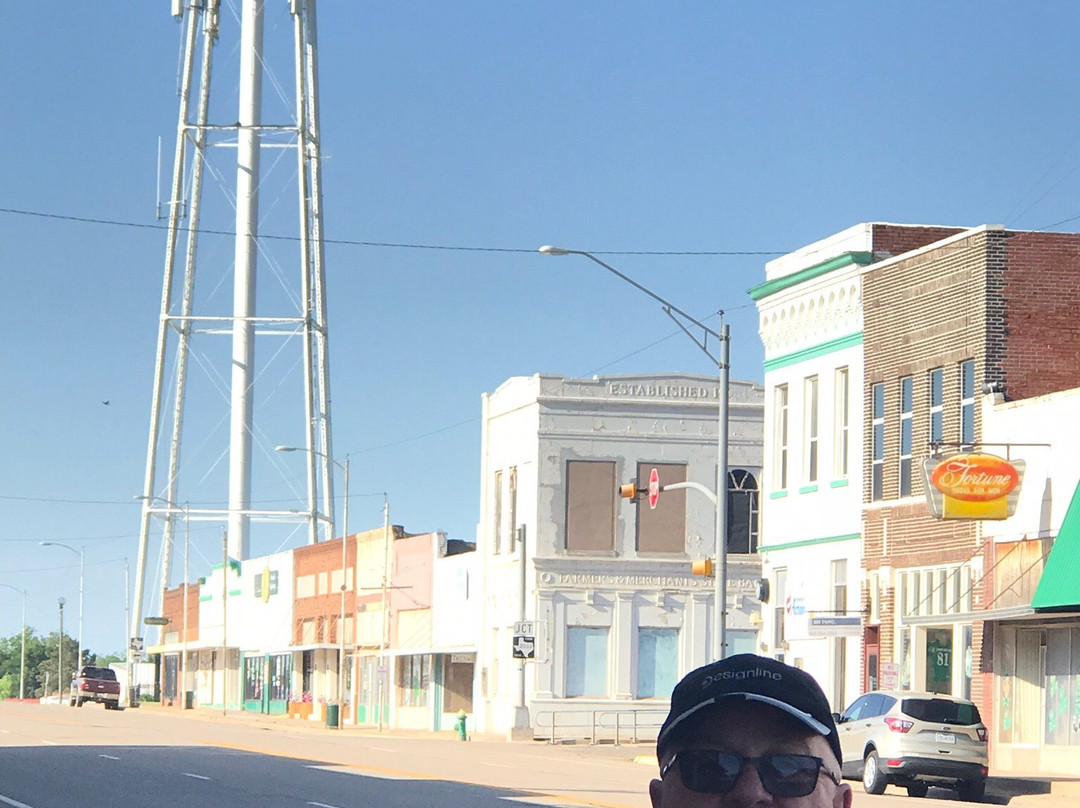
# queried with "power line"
point(359, 243)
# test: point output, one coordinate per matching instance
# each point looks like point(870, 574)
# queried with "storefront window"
point(1005, 662)
point(905, 659)
point(1062, 688)
point(967, 660)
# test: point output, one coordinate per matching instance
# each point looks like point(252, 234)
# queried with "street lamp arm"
point(708, 492)
point(723, 365)
point(669, 307)
point(313, 451)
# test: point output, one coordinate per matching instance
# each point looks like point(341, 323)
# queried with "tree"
point(41, 654)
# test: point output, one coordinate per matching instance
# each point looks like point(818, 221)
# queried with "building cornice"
point(763, 290)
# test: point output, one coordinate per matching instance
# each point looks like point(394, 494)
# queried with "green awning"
point(1059, 586)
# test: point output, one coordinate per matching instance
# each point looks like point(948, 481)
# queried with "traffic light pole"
point(723, 363)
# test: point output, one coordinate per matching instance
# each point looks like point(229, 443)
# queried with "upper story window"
point(937, 393)
point(512, 524)
point(877, 468)
point(810, 429)
point(780, 438)
point(842, 427)
point(780, 604)
point(907, 405)
point(967, 403)
point(662, 529)
point(590, 506)
point(742, 512)
point(497, 484)
point(838, 569)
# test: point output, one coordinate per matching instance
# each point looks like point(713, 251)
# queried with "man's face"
point(749, 729)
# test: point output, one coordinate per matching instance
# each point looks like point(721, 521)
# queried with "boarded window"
point(662, 529)
point(590, 506)
point(586, 662)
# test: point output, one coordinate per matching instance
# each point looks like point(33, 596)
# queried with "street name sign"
point(837, 626)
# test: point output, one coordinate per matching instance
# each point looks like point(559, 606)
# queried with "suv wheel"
point(917, 789)
point(873, 779)
point(972, 790)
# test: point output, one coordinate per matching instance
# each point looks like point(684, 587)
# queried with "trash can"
point(332, 713)
point(189, 699)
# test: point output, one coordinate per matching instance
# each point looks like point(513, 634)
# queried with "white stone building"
point(811, 538)
point(605, 584)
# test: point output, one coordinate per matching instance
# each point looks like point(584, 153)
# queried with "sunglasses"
point(710, 771)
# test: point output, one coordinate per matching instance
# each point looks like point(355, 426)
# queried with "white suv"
point(914, 740)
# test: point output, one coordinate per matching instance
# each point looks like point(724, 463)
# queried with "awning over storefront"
point(1059, 586)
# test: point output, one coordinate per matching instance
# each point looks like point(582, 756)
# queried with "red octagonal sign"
point(654, 488)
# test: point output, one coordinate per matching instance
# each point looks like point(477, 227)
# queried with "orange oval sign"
point(975, 477)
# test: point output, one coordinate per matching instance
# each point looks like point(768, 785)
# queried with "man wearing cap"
point(749, 731)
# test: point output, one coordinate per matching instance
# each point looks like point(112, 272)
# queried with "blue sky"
point(636, 130)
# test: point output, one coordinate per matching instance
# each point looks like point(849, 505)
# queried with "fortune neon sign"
point(972, 486)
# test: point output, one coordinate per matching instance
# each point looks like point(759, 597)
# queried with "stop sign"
point(654, 488)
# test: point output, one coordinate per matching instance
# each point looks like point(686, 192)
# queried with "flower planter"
point(300, 709)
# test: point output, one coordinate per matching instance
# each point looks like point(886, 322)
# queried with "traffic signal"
point(702, 566)
point(629, 490)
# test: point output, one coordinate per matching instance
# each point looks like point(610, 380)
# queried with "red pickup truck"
point(95, 684)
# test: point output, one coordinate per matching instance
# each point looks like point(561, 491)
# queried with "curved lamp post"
point(723, 364)
point(82, 576)
point(22, 664)
point(344, 566)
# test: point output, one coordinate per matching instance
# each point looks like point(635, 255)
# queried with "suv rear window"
point(108, 674)
point(941, 711)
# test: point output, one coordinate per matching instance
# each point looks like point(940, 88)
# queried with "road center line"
point(13, 803)
point(109, 757)
point(196, 776)
point(321, 805)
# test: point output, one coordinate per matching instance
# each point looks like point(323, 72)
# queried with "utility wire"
point(358, 243)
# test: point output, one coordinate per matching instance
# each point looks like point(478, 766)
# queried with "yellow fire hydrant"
point(459, 725)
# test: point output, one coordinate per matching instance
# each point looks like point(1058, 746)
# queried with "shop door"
point(939, 660)
point(871, 674)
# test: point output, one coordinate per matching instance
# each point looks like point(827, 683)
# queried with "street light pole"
point(380, 664)
point(344, 569)
point(82, 576)
point(22, 664)
point(723, 363)
point(60, 652)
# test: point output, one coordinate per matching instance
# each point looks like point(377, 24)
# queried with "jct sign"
point(972, 486)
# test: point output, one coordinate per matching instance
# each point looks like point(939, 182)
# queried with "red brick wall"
point(174, 610)
point(898, 239)
point(1039, 293)
point(324, 608)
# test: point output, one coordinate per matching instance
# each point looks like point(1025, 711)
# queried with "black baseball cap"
point(751, 678)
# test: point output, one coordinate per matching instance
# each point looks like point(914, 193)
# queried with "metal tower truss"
point(209, 402)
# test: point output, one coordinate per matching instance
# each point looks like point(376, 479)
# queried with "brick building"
point(980, 312)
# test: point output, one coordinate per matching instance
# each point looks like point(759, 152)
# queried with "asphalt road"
point(55, 756)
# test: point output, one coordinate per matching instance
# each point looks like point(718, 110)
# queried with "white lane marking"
point(109, 757)
point(321, 805)
point(13, 803)
point(365, 773)
point(196, 776)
